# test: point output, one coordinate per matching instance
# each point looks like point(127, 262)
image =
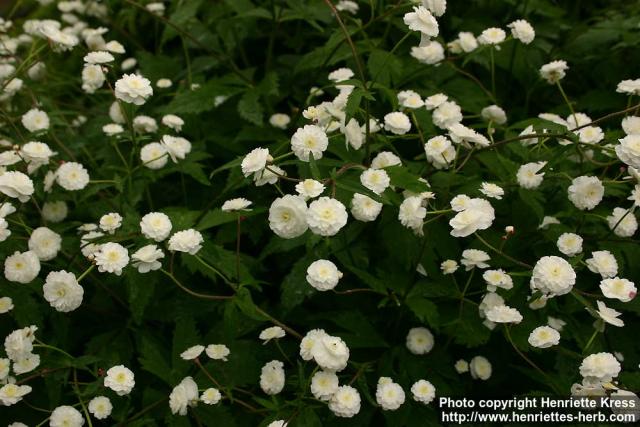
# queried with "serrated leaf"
point(250, 109)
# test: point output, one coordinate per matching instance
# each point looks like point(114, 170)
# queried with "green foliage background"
point(265, 55)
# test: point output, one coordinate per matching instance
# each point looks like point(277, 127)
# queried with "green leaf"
point(401, 177)
point(250, 109)
point(246, 305)
point(152, 360)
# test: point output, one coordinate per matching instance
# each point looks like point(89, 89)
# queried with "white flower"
point(601, 367)
point(309, 188)
point(100, 407)
point(10, 394)
point(478, 214)
point(492, 36)
point(480, 368)
point(72, 176)
point(609, 315)
point(36, 153)
point(437, 7)
point(504, 314)
point(155, 226)
point(375, 180)
point(157, 8)
point(528, 175)
point(16, 185)
point(552, 276)
point(492, 190)
point(345, 402)
point(21, 267)
point(279, 120)
point(631, 125)
point(421, 20)
point(461, 366)
point(423, 391)
point(617, 288)
point(628, 150)
point(269, 175)
point(556, 324)
point(62, 291)
point(211, 396)
point(554, 71)
point(4, 229)
point(98, 57)
point(176, 146)
point(461, 134)
point(192, 352)
point(183, 396)
point(120, 379)
point(116, 114)
point(385, 159)
point(45, 243)
point(255, 161)
point(26, 364)
point(570, 244)
point(447, 114)
point(172, 121)
point(310, 139)
point(522, 30)
point(347, 6)
point(494, 114)
point(547, 221)
point(354, 134)
point(341, 74)
point(147, 258)
point(326, 216)
point(110, 222)
point(272, 377)
point(430, 53)
point(6, 305)
point(189, 241)
point(217, 351)
point(66, 416)
point(434, 101)
point(439, 151)
point(277, 423)
point(323, 275)
point(324, 384)
point(330, 353)
point(133, 89)
point(630, 87)
point(397, 123)
point(288, 216)
point(489, 301)
point(111, 258)
point(449, 266)
point(472, 258)
point(410, 99)
point(35, 120)
point(234, 205)
point(412, 213)
point(271, 333)
point(389, 395)
point(585, 192)
point(590, 135)
point(309, 341)
point(603, 263)
point(164, 83)
point(144, 124)
point(497, 279)
point(623, 222)
point(419, 340)
point(364, 208)
point(154, 155)
point(19, 343)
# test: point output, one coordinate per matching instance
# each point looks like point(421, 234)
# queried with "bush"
point(217, 213)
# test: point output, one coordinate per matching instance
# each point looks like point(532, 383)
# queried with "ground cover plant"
point(314, 212)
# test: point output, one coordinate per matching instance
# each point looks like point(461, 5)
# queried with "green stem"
point(87, 271)
point(496, 250)
point(190, 292)
point(215, 271)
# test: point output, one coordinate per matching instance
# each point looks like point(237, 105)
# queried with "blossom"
point(412, 213)
point(504, 314)
point(19, 343)
point(217, 351)
point(440, 151)
point(233, 205)
point(623, 222)
point(410, 99)
point(601, 367)
point(255, 161)
point(630, 87)
point(189, 241)
point(544, 337)
point(45, 243)
point(430, 53)
point(603, 263)
point(10, 394)
point(272, 377)
point(423, 391)
point(62, 291)
point(397, 123)
point(35, 120)
point(326, 216)
point(569, 244)
point(522, 30)
point(389, 395)
point(176, 147)
point(330, 353)
point(497, 279)
point(26, 364)
point(364, 208)
point(585, 192)
point(164, 83)
point(461, 366)
point(419, 341)
point(133, 89)
point(447, 114)
point(16, 185)
point(155, 226)
point(494, 114)
point(98, 57)
point(154, 155)
point(376, 180)
point(529, 175)
point(434, 101)
point(279, 120)
point(172, 121)
point(554, 71)
point(54, 211)
point(183, 396)
point(422, 20)
point(147, 258)
point(36, 153)
point(323, 275)
point(345, 402)
point(274, 332)
point(111, 258)
point(437, 7)
point(309, 188)
point(120, 379)
point(354, 134)
point(100, 407)
point(6, 305)
point(609, 315)
point(552, 276)
point(324, 384)
point(385, 159)
point(309, 140)
point(72, 176)
point(110, 222)
point(288, 216)
point(492, 36)
point(449, 266)
point(480, 368)
point(144, 124)
point(617, 288)
point(492, 190)
point(21, 267)
point(474, 258)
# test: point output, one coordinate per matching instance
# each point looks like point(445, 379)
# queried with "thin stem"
point(566, 100)
point(356, 57)
point(498, 251)
point(216, 271)
point(190, 292)
point(493, 72)
point(87, 271)
point(238, 249)
point(278, 323)
point(593, 337)
point(76, 389)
